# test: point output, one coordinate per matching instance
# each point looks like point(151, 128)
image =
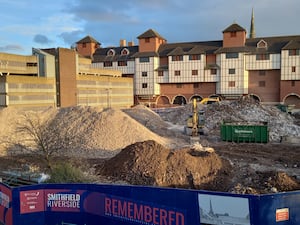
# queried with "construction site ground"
point(141, 147)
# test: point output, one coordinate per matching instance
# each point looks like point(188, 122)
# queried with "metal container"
point(257, 133)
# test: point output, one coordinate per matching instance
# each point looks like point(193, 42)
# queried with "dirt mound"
point(149, 163)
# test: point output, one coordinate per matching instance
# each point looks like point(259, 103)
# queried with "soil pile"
point(149, 163)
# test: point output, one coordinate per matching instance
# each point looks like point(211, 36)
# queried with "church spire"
point(252, 28)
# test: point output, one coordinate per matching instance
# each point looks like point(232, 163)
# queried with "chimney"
point(130, 43)
point(122, 43)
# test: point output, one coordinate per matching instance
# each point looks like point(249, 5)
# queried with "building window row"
point(264, 56)
point(191, 57)
point(177, 58)
point(294, 52)
point(232, 55)
point(194, 72)
point(195, 57)
point(144, 59)
point(108, 64)
point(122, 63)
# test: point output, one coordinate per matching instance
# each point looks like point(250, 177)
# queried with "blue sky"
point(60, 23)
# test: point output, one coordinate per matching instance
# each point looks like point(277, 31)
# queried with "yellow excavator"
point(195, 122)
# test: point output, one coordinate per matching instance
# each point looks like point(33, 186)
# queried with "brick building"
point(265, 68)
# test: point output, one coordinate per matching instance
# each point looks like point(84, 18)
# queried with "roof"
point(189, 48)
point(293, 44)
point(87, 39)
point(145, 54)
point(101, 53)
point(234, 28)
point(149, 34)
point(274, 45)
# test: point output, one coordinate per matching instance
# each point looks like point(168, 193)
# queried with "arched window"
point(111, 52)
point(125, 51)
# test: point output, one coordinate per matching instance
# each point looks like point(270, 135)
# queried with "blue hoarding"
point(91, 204)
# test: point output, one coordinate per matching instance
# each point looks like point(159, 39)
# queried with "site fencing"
point(91, 204)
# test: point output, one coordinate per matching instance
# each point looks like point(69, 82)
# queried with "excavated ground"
point(144, 148)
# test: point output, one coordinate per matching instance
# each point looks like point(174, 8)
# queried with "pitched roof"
point(233, 28)
point(293, 44)
point(149, 34)
point(101, 53)
point(87, 39)
point(189, 48)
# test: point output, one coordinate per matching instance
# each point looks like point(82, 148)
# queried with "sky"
point(61, 23)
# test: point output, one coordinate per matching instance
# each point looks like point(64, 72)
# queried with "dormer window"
point(125, 51)
point(262, 44)
point(111, 52)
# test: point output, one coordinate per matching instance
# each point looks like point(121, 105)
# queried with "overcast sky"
point(60, 23)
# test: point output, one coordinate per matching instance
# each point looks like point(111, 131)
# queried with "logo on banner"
point(32, 201)
point(58, 200)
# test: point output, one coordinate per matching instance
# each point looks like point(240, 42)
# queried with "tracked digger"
point(195, 123)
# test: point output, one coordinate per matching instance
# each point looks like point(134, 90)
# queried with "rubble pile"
point(280, 124)
point(94, 132)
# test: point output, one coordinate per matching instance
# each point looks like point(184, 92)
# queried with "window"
point(262, 44)
point(194, 72)
point(144, 59)
point(213, 71)
point(144, 74)
point(262, 73)
point(293, 69)
point(125, 51)
point(294, 52)
point(147, 40)
point(160, 73)
point(231, 71)
point(263, 57)
point(122, 63)
point(178, 85)
point(108, 64)
point(194, 57)
point(232, 55)
point(144, 85)
point(261, 83)
point(177, 72)
point(196, 85)
point(111, 52)
point(84, 45)
point(293, 83)
point(233, 34)
point(31, 64)
point(177, 58)
point(231, 83)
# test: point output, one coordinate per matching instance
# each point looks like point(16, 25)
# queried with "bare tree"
point(43, 137)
